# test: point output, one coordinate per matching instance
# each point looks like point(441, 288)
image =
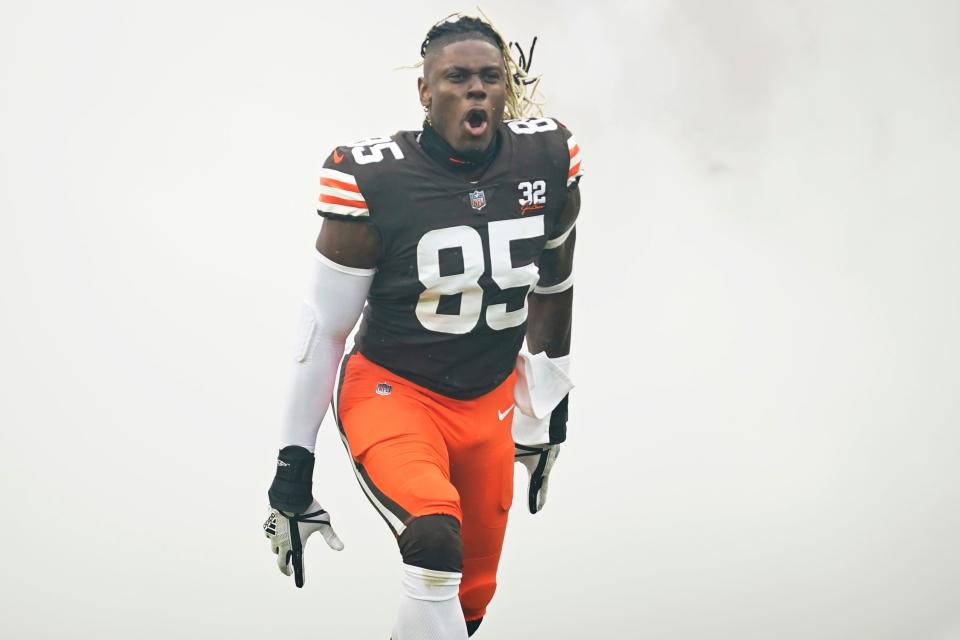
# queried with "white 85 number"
point(467, 284)
point(532, 125)
point(371, 149)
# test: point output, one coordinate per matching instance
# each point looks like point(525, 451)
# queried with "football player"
point(456, 244)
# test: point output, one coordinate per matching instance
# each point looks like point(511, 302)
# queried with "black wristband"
point(292, 488)
point(558, 421)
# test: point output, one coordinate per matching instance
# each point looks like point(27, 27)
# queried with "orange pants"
point(417, 452)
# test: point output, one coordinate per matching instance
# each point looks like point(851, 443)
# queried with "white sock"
point(429, 607)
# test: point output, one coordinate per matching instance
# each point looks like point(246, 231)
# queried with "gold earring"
point(426, 115)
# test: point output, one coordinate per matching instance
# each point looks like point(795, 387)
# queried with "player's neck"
point(469, 164)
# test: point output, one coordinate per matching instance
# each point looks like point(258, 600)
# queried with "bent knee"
point(433, 542)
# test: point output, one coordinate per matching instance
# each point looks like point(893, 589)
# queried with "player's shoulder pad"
point(556, 138)
point(352, 170)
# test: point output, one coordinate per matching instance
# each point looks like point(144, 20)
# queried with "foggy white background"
point(764, 439)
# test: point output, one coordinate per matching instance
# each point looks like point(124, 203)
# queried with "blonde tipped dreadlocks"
point(521, 86)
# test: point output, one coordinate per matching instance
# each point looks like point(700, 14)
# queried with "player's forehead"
point(473, 54)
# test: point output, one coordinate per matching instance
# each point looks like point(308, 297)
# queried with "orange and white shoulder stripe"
point(576, 169)
point(340, 194)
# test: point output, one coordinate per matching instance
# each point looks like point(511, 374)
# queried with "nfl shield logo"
point(478, 200)
point(384, 389)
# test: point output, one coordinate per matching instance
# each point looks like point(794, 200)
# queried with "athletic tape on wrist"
point(292, 487)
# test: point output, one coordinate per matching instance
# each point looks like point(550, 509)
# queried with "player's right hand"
point(294, 514)
point(288, 534)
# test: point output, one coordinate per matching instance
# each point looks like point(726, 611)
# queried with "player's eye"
point(492, 76)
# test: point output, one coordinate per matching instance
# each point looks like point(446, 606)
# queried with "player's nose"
point(475, 88)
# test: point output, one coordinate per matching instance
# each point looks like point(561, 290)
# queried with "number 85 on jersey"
point(467, 283)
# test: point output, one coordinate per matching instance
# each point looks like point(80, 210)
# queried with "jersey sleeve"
point(572, 164)
point(340, 195)
point(575, 168)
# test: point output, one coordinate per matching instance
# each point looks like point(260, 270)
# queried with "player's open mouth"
point(476, 121)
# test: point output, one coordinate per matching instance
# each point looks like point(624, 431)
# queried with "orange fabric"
point(360, 204)
point(338, 184)
point(430, 454)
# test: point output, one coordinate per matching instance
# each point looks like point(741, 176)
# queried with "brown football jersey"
point(447, 307)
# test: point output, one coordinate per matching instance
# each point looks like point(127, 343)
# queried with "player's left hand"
point(288, 534)
point(538, 460)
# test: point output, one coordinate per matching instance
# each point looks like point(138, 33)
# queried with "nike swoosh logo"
point(337, 157)
point(504, 414)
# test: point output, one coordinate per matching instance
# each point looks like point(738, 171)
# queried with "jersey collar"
point(457, 161)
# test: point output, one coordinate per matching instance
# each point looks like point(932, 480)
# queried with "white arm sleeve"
point(331, 307)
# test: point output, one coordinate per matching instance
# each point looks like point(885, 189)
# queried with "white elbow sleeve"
point(331, 307)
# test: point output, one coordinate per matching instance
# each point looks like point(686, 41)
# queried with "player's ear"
point(424, 92)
